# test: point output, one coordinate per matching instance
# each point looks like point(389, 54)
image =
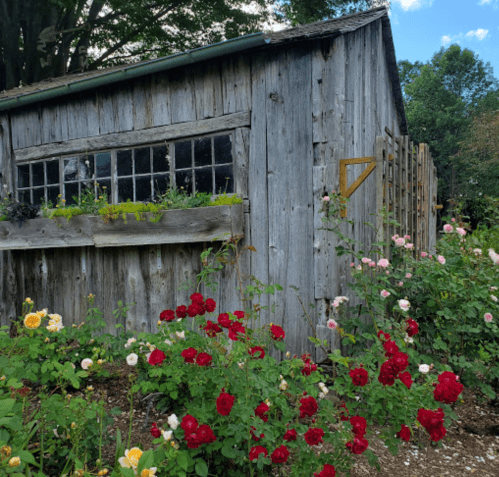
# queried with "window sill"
point(176, 226)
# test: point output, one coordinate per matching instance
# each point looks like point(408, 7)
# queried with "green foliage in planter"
point(225, 199)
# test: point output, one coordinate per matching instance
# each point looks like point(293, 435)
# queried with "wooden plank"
point(106, 111)
point(163, 133)
point(50, 123)
point(208, 91)
point(236, 89)
point(123, 106)
point(319, 90)
point(26, 127)
point(241, 161)
point(380, 164)
point(176, 226)
point(182, 94)
point(161, 108)
point(142, 104)
point(7, 180)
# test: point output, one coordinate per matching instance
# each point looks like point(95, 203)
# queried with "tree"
point(440, 99)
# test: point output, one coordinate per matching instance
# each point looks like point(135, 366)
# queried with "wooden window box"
point(176, 226)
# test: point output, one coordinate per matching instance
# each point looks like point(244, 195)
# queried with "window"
point(139, 174)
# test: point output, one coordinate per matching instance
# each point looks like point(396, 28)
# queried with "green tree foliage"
point(441, 98)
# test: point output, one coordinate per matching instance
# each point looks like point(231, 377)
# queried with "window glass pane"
point(124, 159)
point(70, 169)
point(183, 181)
point(160, 159)
point(88, 171)
point(161, 184)
point(52, 195)
point(23, 177)
point(70, 191)
point(142, 160)
point(38, 174)
point(204, 180)
point(223, 149)
point(104, 187)
point(202, 152)
point(125, 189)
point(24, 196)
point(52, 172)
point(38, 195)
point(224, 180)
point(183, 155)
point(143, 189)
point(103, 164)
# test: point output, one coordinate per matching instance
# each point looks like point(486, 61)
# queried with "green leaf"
point(116, 411)
point(26, 456)
point(182, 460)
point(6, 406)
point(146, 461)
point(228, 452)
point(127, 472)
point(201, 468)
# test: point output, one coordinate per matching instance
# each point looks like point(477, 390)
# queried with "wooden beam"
point(133, 138)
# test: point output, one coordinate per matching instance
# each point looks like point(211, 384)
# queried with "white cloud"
point(446, 39)
point(413, 4)
point(486, 2)
point(480, 33)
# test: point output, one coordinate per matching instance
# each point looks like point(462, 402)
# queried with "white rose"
point(424, 368)
point(86, 363)
point(167, 435)
point(132, 359)
point(173, 421)
point(404, 305)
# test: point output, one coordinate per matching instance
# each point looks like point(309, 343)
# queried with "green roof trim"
point(204, 53)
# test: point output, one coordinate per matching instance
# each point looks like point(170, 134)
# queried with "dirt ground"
point(471, 446)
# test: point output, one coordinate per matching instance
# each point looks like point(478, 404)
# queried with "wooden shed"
point(267, 116)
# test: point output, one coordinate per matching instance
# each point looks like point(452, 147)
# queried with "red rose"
point(277, 333)
point(308, 367)
point(189, 424)
point(280, 455)
point(358, 445)
point(224, 320)
point(197, 298)
point(203, 359)
point(181, 311)
point(308, 406)
point(257, 352)
point(205, 434)
point(210, 305)
point(235, 329)
point(383, 336)
point(290, 435)
point(193, 440)
point(155, 432)
point(239, 314)
point(387, 374)
point(390, 347)
point(212, 329)
point(359, 376)
point(225, 401)
point(254, 436)
point(343, 412)
point(399, 361)
point(327, 471)
point(412, 327)
point(314, 436)
point(448, 388)
point(359, 425)
point(256, 451)
point(261, 412)
point(433, 422)
point(23, 392)
point(189, 355)
point(167, 315)
point(156, 357)
point(406, 378)
point(195, 309)
point(404, 433)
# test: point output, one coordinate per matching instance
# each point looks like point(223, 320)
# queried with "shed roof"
point(73, 83)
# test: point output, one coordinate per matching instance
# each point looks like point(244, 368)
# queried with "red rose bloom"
point(277, 333)
point(387, 374)
point(290, 435)
point(155, 432)
point(203, 359)
point(235, 329)
point(224, 320)
point(189, 424)
point(308, 368)
point(406, 378)
point(358, 445)
point(404, 433)
point(412, 327)
point(308, 406)
point(212, 329)
point(359, 376)
point(225, 401)
point(314, 436)
point(257, 352)
point(359, 425)
point(239, 314)
point(399, 361)
point(210, 305)
point(383, 336)
point(167, 315)
point(193, 440)
point(433, 422)
point(280, 455)
point(254, 436)
point(448, 388)
point(343, 412)
point(261, 412)
point(327, 471)
point(195, 309)
point(197, 298)
point(390, 347)
point(181, 311)
point(205, 434)
point(256, 451)
point(156, 357)
point(189, 355)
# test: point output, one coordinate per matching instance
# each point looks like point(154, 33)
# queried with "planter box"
point(176, 226)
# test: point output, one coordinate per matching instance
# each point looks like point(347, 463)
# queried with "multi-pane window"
point(138, 174)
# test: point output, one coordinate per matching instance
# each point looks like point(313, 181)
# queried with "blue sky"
point(421, 27)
